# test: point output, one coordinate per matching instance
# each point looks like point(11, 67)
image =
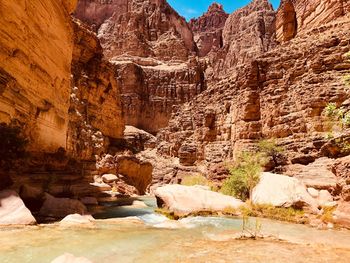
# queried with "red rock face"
point(153, 50)
point(248, 33)
point(95, 105)
point(279, 94)
point(138, 28)
point(298, 15)
point(208, 28)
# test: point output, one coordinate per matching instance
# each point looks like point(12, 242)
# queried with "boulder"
point(109, 178)
point(313, 192)
point(13, 211)
point(77, 219)
point(69, 258)
point(185, 200)
point(61, 207)
point(342, 214)
point(324, 198)
point(317, 174)
point(282, 191)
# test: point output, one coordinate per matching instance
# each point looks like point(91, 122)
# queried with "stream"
point(131, 234)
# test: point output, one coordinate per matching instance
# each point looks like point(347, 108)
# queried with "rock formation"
point(35, 88)
point(294, 16)
point(95, 109)
point(13, 211)
point(186, 200)
point(152, 48)
point(279, 94)
point(248, 33)
point(208, 28)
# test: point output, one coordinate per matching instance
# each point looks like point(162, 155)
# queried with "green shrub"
point(347, 80)
point(337, 117)
point(327, 215)
point(331, 110)
point(196, 179)
point(244, 176)
point(277, 213)
point(269, 147)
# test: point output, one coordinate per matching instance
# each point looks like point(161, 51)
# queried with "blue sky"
point(195, 8)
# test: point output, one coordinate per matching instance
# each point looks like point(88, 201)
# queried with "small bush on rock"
point(244, 175)
point(198, 179)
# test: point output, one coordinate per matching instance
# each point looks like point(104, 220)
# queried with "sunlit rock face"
point(35, 69)
point(297, 15)
point(248, 33)
point(139, 28)
point(274, 91)
point(95, 110)
point(153, 50)
point(207, 29)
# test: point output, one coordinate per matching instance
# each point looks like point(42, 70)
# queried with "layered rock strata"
point(35, 69)
point(294, 16)
point(208, 28)
point(95, 109)
point(153, 50)
point(281, 94)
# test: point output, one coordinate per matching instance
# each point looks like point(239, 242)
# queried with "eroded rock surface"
point(208, 28)
point(36, 42)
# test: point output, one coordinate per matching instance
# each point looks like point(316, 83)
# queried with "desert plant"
point(196, 179)
point(244, 175)
point(336, 117)
point(347, 80)
point(269, 147)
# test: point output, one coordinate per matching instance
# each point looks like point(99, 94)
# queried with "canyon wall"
point(297, 15)
point(153, 50)
point(272, 91)
point(248, 32)
point(208, 28)
point(35, 69)
point(95, 108)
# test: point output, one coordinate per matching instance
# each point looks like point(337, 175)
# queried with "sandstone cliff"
point(95, 109)
point(272, 92)
point(153, 50)
point(35, 88)
point(208, 28)
point(297, 15)
point(138, 28)
point(248, 33)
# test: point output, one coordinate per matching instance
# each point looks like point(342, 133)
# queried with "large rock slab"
point(317, 174)
point(61, 207)
point(186, 200)
point(342, 214)
point(282, 191)
point(69, 258)
point(13, 211)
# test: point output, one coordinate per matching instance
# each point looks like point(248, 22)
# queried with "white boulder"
point(282, 191)
point(13, 211)
point(185, 200)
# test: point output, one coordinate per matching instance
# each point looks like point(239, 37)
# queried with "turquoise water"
point(148, 237)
